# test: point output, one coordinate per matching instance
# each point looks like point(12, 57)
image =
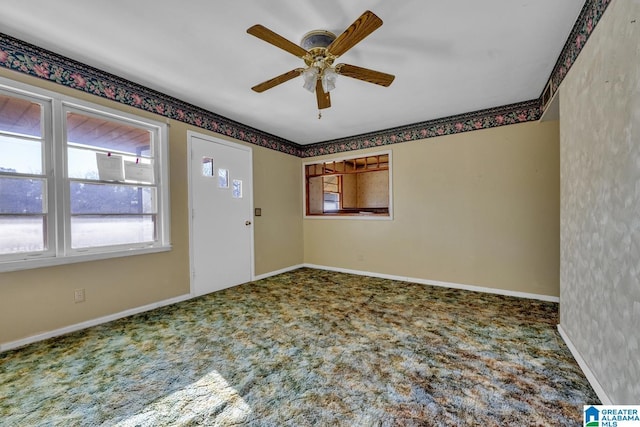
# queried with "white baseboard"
point(275, 273)
point(93, 322)
point(585, 368)
point(439, 283)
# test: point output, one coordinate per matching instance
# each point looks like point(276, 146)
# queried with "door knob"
point(247, 223)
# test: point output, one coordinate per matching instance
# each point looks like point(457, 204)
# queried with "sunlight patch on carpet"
point(208, 398)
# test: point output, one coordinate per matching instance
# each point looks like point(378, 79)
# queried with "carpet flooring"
point(306, 348)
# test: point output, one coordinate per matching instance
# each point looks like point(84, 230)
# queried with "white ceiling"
point(449, 57)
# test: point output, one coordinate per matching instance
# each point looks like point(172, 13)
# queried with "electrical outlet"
point(78, 295)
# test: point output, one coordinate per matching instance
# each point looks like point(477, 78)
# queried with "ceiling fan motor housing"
point(317, 38)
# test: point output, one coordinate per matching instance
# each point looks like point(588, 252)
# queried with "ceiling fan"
point(319, 49)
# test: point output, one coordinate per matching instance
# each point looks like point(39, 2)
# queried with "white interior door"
point(220, 199)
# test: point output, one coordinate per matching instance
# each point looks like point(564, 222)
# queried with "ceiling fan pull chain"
point(319, 114)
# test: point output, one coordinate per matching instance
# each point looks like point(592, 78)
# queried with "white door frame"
point(191, 134)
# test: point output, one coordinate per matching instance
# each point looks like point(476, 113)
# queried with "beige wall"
point(278, 192)
point(41, 300)
point(600, 185)
point(478, 208)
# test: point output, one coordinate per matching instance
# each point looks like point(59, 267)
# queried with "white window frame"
point(59, 251)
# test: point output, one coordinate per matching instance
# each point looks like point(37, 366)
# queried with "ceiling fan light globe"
point(329, 79)
point(310, 76)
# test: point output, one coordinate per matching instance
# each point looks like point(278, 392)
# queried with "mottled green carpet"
point(306, 348)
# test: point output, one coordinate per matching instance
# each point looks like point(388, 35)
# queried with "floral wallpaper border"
point(29, 59)
point(589, 17)
point(483, 119)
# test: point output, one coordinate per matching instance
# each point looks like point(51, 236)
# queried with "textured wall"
point(600, 202)
point(349, 191)
point(373, 189)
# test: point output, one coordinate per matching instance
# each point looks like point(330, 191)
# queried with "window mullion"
point(61, 191)
point(48, 168)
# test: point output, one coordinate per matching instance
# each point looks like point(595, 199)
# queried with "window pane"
point(236, 191)
point(111, 199)
point(82, 163)
point(104, 230)
point(20, 116)
point(331, 202)
point(22, 196)
point(21, 234)
point(331, 184)
point(207, 166)
point(223, 178)
point(109, 135)
point(20, 155)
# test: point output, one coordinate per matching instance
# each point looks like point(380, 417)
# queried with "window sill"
point(27, 264)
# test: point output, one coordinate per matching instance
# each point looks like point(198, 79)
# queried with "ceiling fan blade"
point(277, 80)
point(277, 40)
point(365, 74)
point(324, 100)
point(366, 24)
